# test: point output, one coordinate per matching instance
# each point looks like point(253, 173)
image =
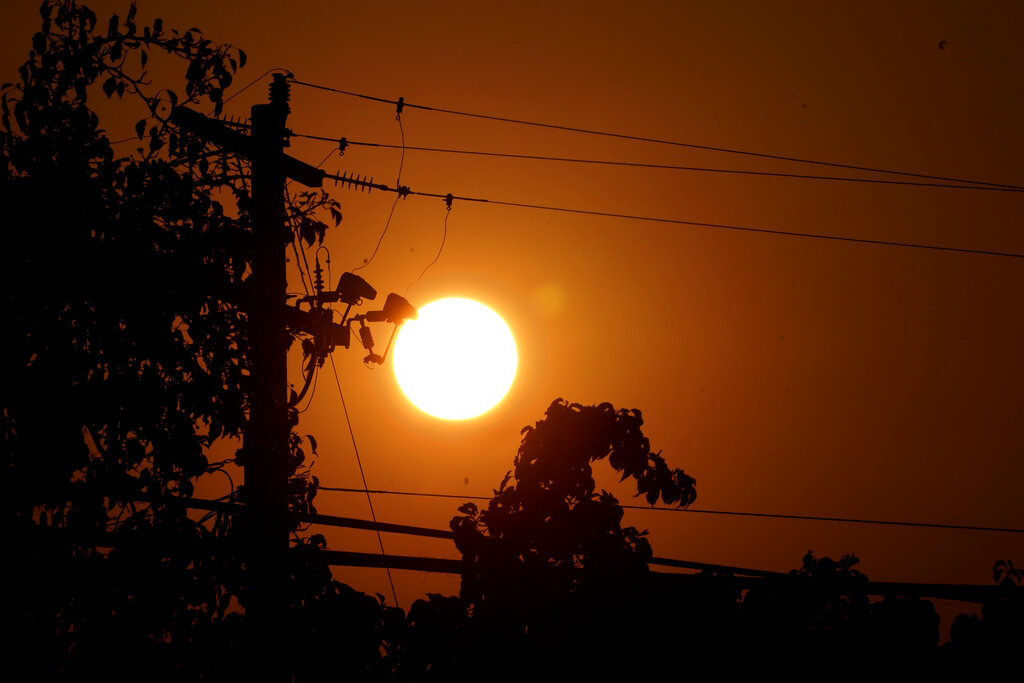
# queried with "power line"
point(444, 238)
point(359, 461)
point(660, 141)
point(811, 518)
point(398, 183)
point(743, 577)
point(252, 83)
point(787, 233)
point(353, 181)
point(666, 167)
point(223, 102)
point(354, 523)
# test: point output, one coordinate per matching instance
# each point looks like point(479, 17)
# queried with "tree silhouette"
point(553, 582)
point(552, 579)
point(126, 358)
point(126, 374)
point(548, 569)
point(996, 635)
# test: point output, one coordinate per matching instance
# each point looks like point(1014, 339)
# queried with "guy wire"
point(359, 461)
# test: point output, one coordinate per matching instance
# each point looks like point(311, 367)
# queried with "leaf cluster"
point(548, 558)
point(127, 365)
point(547, 513)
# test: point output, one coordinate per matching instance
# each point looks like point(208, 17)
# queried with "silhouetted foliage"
point(441, 640)
point(824, 612)
point(548, 569)
point(126, 353)
point(126, 362)
point(552, 580)
point(997, 635)
point(824, 603)
point(336, 632)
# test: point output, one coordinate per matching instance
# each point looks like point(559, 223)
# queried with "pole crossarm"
point(224, 136)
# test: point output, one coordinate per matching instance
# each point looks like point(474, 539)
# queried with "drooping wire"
point(219, 467)
point(369, 498)
point(312, 391)
point(254, 82)
point(288, 181)
point(670, 167)
point(298, 263)
point(640, 138)
point(398, 183)
point(811, 518)
point(300, 260)
point(444, 236)
point(303, 275)
point(350, 181)
point(337, 381)
point(324, 160)
point(387, 224)
point(300, 254)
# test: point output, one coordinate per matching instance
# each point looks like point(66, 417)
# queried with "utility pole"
point(265, 444)
point(265, 456)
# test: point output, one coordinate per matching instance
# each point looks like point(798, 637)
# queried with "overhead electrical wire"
point(306, 279)
point(398, 183)
point(942, 591)
point(300, 256)
point(444, 238)
point(664, 167)
point(347, 180)
point(809, 518)
point(253, 82)
point(640, 138)
point(402, 191)
point(380, 240)
point(312, 392)
point(359, 461)
point(224, 101)
point(768, 231)
point(352, 434)
point(329, 155)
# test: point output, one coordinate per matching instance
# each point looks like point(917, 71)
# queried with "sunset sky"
point(788, 375)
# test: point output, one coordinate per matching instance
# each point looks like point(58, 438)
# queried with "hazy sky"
point(787, 375)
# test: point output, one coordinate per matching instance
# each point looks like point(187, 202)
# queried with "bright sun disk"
point(456, 360)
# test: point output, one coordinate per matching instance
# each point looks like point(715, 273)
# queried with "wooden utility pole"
point(265, 454)
point(265, 444)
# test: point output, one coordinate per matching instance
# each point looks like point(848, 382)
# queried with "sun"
point(456, 360)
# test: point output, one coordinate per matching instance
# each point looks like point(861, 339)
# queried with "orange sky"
point(787, 375)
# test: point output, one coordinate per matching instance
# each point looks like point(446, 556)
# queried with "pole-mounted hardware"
point(265, 454)
point(224, 135)
point(317, 321)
